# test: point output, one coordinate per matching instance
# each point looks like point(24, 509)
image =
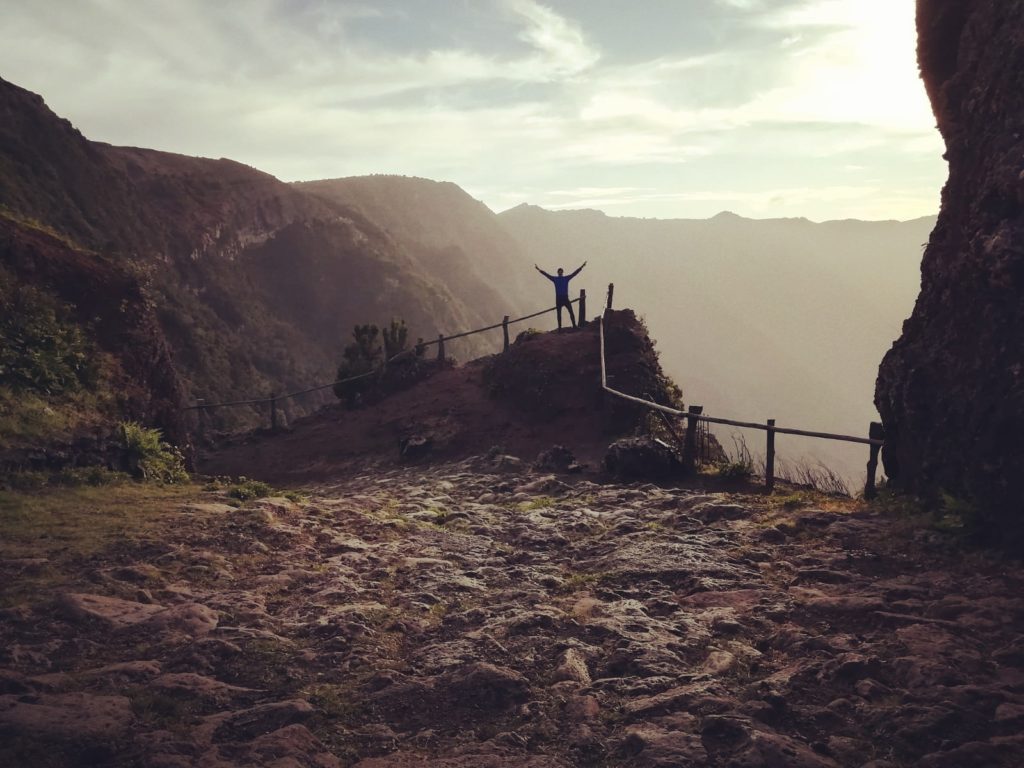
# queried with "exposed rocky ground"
point(480, 614)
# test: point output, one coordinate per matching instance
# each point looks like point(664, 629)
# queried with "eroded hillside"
point(544, 390)
point(254, 284)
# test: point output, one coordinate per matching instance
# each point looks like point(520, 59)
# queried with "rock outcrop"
point(951, 390)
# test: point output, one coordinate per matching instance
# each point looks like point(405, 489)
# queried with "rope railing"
point(695, 416)
point(274, 398)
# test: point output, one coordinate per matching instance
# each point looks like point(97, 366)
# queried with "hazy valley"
point(755, 319)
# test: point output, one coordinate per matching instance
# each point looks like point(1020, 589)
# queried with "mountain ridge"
point(254, 284)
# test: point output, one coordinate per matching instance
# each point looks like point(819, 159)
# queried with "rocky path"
point(457, 616)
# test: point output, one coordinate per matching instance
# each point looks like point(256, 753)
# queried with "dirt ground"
point(477, 613)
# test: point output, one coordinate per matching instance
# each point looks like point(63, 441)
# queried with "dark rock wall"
point(951, 389)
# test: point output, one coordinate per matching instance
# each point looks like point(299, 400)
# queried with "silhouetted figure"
point(562, 291)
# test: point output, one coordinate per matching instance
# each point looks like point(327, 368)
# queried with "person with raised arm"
point(562, 292)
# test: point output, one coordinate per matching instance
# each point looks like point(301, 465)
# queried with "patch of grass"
point(247, 490)
point(69, 477)
point(739, 465)
point(83, 519)
point(62, 525)
point(335, 703)
point(32, 419)
point(29, 222)
point(578, 581)
point(791, 501)
point(820, 477)
point(540, 502)
point(164, 710)
point(952, 515)
point(75, 476)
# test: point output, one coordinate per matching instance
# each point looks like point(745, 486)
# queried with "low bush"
point(148, 457)
point(247, 490)
point(41, 348)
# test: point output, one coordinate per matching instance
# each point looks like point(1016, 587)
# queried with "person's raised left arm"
point(578, 270)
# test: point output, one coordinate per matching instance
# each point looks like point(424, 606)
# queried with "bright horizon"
point(784, 108)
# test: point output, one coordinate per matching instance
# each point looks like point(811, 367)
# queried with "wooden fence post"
point(769, 458)
point(440, 347)
point(876, 432)
point(273, 411)
point(611, 292)
point(690, 444)
point(583, 307)
point(504, 329)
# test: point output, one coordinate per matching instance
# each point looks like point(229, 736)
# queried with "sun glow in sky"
point(640, 108)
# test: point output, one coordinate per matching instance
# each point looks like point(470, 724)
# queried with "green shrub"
point(149, 457)
point(396, 336)
point(362, 356)
point(957, 513)
point(42, 349)
point(247, 490)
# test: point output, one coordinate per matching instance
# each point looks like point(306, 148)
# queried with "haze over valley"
point(756, 319)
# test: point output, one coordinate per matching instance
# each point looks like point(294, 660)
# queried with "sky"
point(649, 108)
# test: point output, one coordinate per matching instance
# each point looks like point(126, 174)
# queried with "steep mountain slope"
point(255, 284)
point(951, 390)
point(755, 319)
point(448, 233)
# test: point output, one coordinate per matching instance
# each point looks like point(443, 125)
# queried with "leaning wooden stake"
point(672, 431)
point(769, 458)
point(611, 293)
point(690, 444)
point(583, 307)
point(875, 432)
point(440, 347)
point(504, 328)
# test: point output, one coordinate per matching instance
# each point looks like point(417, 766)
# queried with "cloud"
point(563, 44)
point(504, 98)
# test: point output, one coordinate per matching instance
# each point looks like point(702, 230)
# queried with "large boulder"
point(635, 458)
point(951, 389)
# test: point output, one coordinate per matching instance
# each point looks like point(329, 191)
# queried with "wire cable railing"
point(417, 350)
point(694, 416)
point(696, 420)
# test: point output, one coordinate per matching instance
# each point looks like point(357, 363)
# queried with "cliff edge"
point(951, 389)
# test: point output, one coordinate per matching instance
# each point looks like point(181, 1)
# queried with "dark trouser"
point(563, 301)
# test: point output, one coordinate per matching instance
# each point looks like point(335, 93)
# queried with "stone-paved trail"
point(454, 616)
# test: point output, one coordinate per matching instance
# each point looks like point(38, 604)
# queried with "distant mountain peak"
point(726, 216)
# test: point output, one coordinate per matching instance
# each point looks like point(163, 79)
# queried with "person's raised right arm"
point(549, 277)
